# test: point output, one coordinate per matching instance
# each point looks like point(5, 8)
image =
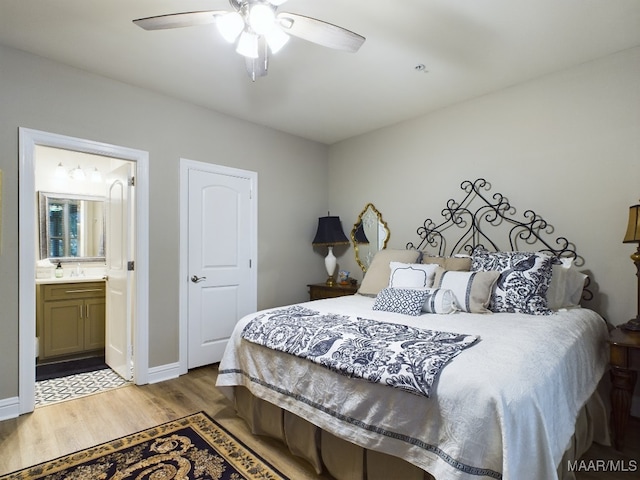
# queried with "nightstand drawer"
point(319, 291)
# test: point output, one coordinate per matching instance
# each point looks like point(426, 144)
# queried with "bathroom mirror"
point(72, 227)
point(369, 234)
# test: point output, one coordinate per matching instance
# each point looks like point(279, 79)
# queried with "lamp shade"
point(330, 232)
point(633, 227)
point(359, 235)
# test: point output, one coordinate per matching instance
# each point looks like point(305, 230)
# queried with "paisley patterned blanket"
point(397, 355)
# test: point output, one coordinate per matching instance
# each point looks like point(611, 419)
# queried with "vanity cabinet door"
point(94, 323)
point(63, 327)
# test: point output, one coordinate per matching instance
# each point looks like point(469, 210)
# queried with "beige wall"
point(43, 95)
point(566, 146)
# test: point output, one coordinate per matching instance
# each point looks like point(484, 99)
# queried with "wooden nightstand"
point(318, 291)
point(623, 380)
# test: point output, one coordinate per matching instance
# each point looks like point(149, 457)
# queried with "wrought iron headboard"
point(479, 216)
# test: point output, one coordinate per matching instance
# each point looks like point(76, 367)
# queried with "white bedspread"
point(505, 408)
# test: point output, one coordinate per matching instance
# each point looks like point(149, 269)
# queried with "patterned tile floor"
point(74, 386)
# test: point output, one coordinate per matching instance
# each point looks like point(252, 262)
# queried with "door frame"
point(27, 222)
point(185, 167)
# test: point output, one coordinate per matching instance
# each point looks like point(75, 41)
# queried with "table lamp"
point(330, 233)
point(633, 236)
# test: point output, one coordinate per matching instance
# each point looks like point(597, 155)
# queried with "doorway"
point(30, 141)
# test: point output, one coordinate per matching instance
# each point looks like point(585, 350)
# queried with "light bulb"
point(77, 173)
point(60, 171)
point(230, 25)
point(248, 45)
point(96, 176)
point(261, 18)
point(276, 39)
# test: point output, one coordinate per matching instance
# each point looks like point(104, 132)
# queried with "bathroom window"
point(63, 218)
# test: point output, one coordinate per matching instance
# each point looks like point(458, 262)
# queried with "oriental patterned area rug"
point(193, 447)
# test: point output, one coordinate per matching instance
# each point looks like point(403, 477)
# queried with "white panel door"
point(119, 251)
point(219, 256)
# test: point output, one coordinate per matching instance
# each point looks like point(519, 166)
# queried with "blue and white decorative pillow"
point(400, 300)
point(523, 282)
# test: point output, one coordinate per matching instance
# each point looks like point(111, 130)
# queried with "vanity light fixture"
point(77, 174)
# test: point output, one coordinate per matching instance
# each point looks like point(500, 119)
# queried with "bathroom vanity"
point(70, 317)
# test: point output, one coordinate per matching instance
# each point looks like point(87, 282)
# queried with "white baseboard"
point(164, 372)
point(9, 408)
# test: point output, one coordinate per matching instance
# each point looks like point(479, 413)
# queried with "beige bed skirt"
point(346, 461)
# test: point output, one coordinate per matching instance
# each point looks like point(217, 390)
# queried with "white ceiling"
point(469, 48)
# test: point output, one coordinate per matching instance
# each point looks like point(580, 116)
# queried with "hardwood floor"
point(62, 428)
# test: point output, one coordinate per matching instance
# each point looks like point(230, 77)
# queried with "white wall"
point(48, 96)
point(566, 146)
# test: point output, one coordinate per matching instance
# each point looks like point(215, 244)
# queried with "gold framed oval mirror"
point(369, 234)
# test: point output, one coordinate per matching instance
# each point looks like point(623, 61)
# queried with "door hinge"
point(131, 265)
point(250, 263)
point(132, 181)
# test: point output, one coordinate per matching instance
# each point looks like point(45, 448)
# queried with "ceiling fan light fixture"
point(257, 30)
point(248, 45)
point(261, 18)
point(230, 26)
point(276, 39)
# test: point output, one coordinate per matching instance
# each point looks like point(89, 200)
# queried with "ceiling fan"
point(256, 27)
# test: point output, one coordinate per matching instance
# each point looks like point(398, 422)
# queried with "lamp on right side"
point(633, 236)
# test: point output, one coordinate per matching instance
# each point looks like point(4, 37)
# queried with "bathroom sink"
point(74, 279)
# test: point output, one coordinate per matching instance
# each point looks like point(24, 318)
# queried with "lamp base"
point(330, 262)
point(632, 325)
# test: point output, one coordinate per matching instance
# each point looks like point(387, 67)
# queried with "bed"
point(516, 397)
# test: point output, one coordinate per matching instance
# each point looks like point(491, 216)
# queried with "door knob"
point(197, 279)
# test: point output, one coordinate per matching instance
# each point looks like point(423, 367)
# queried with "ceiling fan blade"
point(257, 67)
point(320, 32)
point(177, 20)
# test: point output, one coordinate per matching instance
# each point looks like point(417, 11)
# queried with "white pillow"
point(565, 288)
point(411, 275)
point(439, 300)
point(377, 276)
